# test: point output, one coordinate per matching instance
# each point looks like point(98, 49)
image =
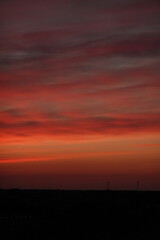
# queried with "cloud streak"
point(70, 125)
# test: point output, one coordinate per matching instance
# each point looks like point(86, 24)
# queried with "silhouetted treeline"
point(46, 214)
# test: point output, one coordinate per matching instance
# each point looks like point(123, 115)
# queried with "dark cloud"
point(110, 125)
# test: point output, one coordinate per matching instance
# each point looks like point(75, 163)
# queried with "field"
point(55, 214)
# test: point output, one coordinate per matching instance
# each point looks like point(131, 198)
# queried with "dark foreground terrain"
point(44, 214)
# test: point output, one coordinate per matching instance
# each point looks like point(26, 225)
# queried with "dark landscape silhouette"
point(58, 214)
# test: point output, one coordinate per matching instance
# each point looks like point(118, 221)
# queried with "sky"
point(80, 94)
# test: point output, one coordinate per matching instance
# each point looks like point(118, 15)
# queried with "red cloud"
point(111, 125)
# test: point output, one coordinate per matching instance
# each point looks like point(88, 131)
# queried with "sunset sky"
point(80, 94)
